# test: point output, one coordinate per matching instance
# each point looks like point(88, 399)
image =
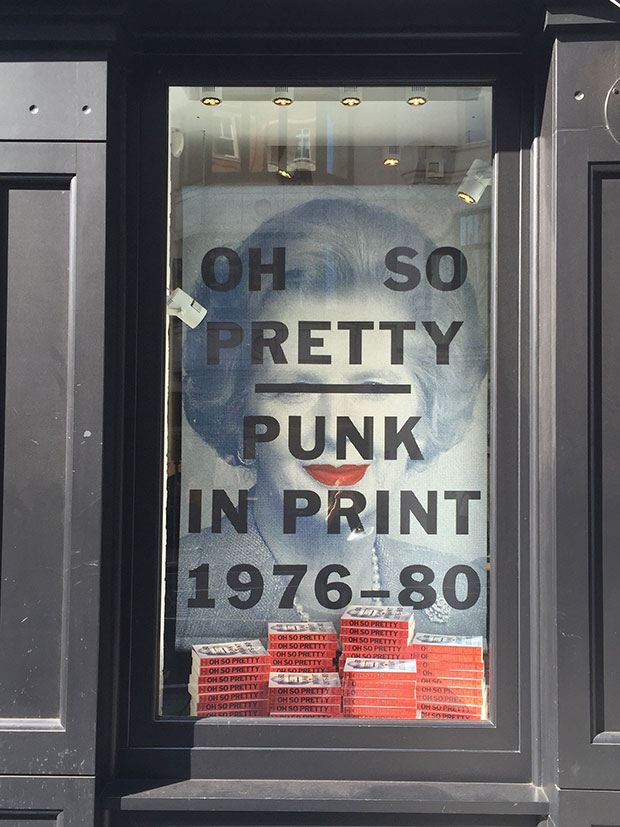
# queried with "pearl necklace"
point(376, 586)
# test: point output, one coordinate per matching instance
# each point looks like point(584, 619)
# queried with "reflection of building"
point(225, 144)
point(295, 152)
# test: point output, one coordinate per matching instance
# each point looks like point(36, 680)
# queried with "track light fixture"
point(283, 163)
point(283, 95)
point(391, 156)
point(211, 95)
point(417, 96)
point(351, 96)
point(476, 181)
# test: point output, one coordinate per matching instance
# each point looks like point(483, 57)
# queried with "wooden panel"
point(35, 450)
point(54, 208)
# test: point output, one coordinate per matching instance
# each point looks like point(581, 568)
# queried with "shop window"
point(327, 545)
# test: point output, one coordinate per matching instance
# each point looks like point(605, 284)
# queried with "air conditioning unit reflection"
point(435, 163)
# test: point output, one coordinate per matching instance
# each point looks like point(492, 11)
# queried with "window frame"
point(498, 750)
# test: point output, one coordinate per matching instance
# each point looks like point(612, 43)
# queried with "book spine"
point(302, 637)
point(366, 692)
point(242, 669)
point(326, 709)
point(449, 716)
point(381, 712)
point(421, 649)
point(433, 671)
point(375, 624)
point(451, 684)
point(465, 709)
point(232, 683)
point(230, 696)
point(294, 645)
point(220, 706)
point(306, 692)
point(336, 714)
point(311, 669)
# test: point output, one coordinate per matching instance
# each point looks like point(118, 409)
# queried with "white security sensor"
point(181, 305)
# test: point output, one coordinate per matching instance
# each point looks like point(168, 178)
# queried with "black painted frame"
point(497, 751)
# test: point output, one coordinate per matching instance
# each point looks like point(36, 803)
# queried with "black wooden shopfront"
point(83, 213)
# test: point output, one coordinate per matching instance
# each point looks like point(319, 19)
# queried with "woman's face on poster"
point(277, 468)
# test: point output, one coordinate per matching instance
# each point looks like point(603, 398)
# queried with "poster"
point(335, 407)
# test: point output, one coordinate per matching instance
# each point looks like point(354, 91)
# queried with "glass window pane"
point(327, 434)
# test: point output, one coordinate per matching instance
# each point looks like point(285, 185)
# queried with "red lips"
point(336, 475)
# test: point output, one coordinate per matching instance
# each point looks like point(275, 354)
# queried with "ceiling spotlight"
point(476, 181)
point(283, 95)
point(351, 96)
point(391, 156)
point(211, 95)
point(417, 96)
point(283, 163)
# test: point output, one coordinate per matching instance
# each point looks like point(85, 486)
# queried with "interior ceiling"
point(452, 116)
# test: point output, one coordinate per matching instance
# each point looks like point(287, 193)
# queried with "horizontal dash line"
point(378, 593)
point(305, 387)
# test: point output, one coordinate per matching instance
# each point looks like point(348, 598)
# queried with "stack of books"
point(303, 647)
point(451, 681)
point(230, 679)
point(378, 688)
point(382, 632)
point(305, 695)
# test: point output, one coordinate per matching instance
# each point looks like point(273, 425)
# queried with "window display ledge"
point(320, 796)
